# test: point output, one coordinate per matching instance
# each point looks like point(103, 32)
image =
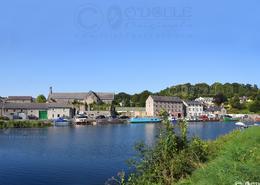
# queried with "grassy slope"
point(236, 158)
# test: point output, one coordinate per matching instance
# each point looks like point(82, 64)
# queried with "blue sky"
point(129, 45)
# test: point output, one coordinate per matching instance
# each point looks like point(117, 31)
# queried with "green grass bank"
point(234, 158)
point(174, 159)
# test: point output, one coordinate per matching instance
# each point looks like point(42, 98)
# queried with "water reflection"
point(79, 155)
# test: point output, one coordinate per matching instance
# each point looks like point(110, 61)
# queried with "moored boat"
point(228, 118)
point(257, 119)
point(61, 122)
point(145, 120)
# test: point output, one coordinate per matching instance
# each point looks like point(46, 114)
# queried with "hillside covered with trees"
point(229, 93)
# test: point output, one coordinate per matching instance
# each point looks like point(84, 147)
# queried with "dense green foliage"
point(23, 124)
point(136, 100)
point(227, 93)
point(172, 158)
point(189, 91)
point(41, 99)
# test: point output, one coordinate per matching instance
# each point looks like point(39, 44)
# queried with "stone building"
point(81, 99)
point(173, 105)
point(194, 109)
point(131, 111)
point(39, 110)
point(206, 101)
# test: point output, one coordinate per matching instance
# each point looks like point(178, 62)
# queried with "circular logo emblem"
point(89, 18)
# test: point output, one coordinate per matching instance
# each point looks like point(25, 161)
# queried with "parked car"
point(16, 117)
point(101, 117)
point(124, 117)
point(32, 117)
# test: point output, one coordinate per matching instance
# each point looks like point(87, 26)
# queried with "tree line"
point(228, 93)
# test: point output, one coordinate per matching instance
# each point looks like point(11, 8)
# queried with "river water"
point(79, 155)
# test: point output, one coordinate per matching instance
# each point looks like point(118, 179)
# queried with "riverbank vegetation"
point(175, 159)
point(237, 98)
point(24, 124)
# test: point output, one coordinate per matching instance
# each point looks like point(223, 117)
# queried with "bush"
point(172, 158)
point(23, 124)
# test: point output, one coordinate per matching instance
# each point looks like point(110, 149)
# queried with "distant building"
point(244, 99)
point(132, 111)
point(2, 99)
point(20, 99)
point(216, 110)
point(173, 105)
point(206, 101)
point(194, 109)
point(89, 97)
point(82, 99)
point(39, 110)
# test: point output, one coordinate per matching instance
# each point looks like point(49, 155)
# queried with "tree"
point(255, 106)
point(235, 103)
point(41, 99)
point(220, 98)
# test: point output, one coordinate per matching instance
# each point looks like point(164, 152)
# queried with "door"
point(43, 115)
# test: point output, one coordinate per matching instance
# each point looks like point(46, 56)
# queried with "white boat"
point(240, 124)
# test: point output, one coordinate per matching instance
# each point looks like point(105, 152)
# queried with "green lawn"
point(235, 158)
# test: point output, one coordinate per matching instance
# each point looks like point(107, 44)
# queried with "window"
point(58, 115)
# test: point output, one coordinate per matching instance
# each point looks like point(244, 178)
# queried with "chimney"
point(50, 90)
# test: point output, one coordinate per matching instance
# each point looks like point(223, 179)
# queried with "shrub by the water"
point(176, 160)
point(173, 157)
point(23, 124)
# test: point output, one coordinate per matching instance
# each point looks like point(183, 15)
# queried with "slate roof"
point(81, 96)
point(19, 98)
point(166, 99)
point(213, 109)
point(33, 106)
point(77, 96)
point(193, 103)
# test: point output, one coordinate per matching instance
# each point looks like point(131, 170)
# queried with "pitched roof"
point(166, 99)
point(20, 98)
point(193, 103)
point(213, 109)
point(24, 105)
point(105, 96)
point(81, 96)
point(78, 96)
point(44, 106)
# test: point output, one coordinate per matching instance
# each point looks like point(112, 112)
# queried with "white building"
point(207, 101)
point(38, 110)
point(173, 105)
point(194, 109)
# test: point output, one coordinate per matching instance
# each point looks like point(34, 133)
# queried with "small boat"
point(228, 118)
point(257, 119)
point(242, 125)
point(61, 122)
point(145, 120)
point(81, 119)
